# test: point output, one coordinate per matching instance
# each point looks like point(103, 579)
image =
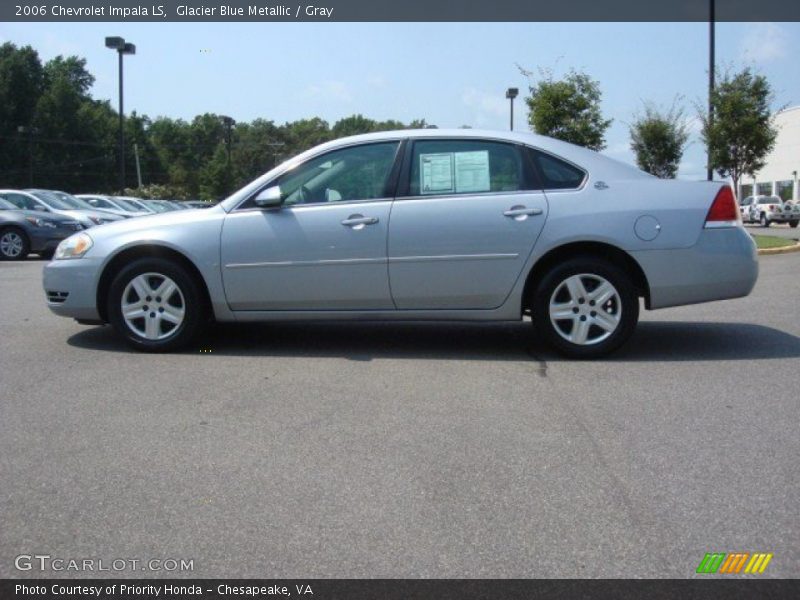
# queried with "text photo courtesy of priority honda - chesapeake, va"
point(387, 301)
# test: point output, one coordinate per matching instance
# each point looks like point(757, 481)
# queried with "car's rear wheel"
point(765, 222)
point(14, 244)
point(155, 304)
point(793, 224)
point(585, 307)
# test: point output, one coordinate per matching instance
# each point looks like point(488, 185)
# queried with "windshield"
point(137, 204)
point(73, 201)
point(157, 206)
point(6, 205)
point(127, 205)
point(51, 200)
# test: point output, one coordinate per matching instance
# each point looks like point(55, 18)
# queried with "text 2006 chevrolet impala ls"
point(433, 224)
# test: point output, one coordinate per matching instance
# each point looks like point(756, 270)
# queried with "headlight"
point(37, 222)
point(75, 246)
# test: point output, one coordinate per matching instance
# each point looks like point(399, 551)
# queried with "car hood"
point(83, 215)
point(149, 223)
point(42, 215)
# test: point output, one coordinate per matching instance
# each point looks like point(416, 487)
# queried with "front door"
point(325, 247)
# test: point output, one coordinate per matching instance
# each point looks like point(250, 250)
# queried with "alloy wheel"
point(11, 244)
point(585, 309)
point(153, 306)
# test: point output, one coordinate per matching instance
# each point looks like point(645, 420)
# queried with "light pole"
point(512, 93)
point(122, 47)
point(710, 171)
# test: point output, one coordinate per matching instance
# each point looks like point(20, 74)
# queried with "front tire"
point(793, 224)
point(156, 305)
point(585, 307)
point(14, 244)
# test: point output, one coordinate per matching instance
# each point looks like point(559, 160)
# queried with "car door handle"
point(357, 221)
point(521, 211)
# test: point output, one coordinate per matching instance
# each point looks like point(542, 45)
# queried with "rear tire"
point(156, 305)
point(793, 224)
point(585, 307)
point(765, 222)
point(14, 244)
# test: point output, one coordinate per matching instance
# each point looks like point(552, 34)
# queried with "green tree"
point(353, 125)
point(72, 70)
point(568, 109)
point(74, 132)
point(658, 139)
point(742, 132)
point(21, 84)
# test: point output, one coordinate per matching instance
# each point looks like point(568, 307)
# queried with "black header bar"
point(396, 10)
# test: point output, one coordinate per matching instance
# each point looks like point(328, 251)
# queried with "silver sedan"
point(429, 224)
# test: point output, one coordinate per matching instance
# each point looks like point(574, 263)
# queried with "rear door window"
point(455, 167)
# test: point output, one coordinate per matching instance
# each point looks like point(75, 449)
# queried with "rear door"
point(467, 216)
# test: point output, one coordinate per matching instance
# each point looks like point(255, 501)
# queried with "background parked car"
point(49, 201)
point(198, 204)
point(159, 206)
point(26, 231)
point(136, 203)
point(117, 206)
point(769, 209)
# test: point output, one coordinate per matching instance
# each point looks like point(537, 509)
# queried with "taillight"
point(723, 212)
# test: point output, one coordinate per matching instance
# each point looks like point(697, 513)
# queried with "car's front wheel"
point(793, 224)
point(155, 304)
point(586, 307)
point(14, 244)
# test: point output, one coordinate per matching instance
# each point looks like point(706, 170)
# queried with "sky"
point(450, 74)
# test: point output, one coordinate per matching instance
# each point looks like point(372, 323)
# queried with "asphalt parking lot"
point(417, 450)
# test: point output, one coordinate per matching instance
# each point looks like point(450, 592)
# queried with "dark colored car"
point(26, 231)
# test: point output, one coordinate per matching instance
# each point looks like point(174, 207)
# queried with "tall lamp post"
point(122, 47)
point(512, 93)
point(711, 16)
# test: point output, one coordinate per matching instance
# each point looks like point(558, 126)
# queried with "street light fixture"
point(512, 93)
point(122, 47)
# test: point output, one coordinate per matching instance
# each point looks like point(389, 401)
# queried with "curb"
point(781, 250)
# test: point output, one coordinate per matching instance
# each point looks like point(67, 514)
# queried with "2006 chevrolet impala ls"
point(432, 224)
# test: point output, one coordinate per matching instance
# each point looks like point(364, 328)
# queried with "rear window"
point(557, 174)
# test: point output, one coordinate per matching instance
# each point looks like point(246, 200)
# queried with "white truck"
point(769, 209)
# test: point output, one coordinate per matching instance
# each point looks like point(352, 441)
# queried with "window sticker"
point(454, 172)
point(436, 173)
point(472, 171)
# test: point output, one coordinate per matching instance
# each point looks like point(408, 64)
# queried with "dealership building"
point(779, 175)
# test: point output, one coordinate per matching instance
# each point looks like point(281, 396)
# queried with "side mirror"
point(270, 197)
